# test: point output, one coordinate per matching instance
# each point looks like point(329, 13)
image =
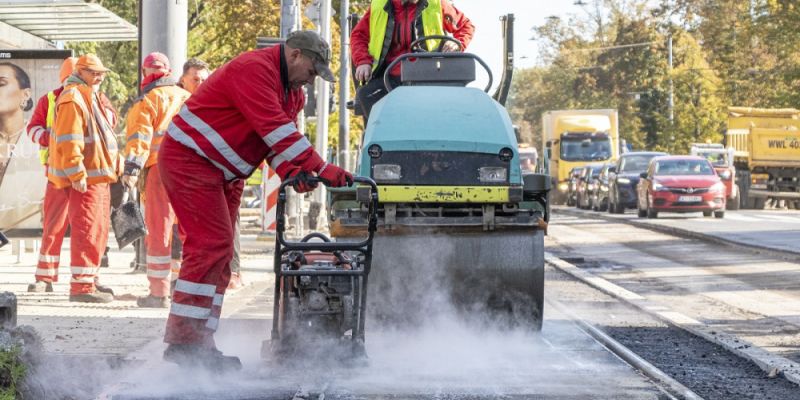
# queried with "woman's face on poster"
point(12, 96)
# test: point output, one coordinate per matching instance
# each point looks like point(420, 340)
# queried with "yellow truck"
point(575, 138)
point(766, 146)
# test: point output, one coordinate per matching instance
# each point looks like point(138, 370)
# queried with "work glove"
point(129, 181)
point(301, 184)
point(334, 176)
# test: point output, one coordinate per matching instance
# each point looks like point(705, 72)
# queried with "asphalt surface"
point(441, 358)
point(768, 229)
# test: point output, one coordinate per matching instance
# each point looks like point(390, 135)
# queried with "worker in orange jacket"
point(148, 120)
point(54, 209)
point(85, 160)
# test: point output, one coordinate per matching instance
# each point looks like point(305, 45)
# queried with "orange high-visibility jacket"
point(148, 120)
point(85, 145)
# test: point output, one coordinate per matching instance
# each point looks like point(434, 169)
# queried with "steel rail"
point(666, 383)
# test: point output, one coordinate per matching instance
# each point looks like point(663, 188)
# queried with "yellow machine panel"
point(443, 194)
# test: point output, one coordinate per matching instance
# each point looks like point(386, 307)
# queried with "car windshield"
point(586, 149)
point(683, 167)
point(716, 159)
point(635, 164)
point(527, 162)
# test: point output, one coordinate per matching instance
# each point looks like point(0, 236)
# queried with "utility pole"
point(671, 86)
point(344, 85)
point(323, 110)
point(290, 22)
point(163, 29)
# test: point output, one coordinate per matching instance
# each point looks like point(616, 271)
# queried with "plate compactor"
point(320, 288)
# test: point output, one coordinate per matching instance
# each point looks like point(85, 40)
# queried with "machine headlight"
point(386, 172)
point(492, 174)
point(623, 181)
point(563, 186)
point(659, 187)
point(725, 175)
point(590, 186)
point(718, 187)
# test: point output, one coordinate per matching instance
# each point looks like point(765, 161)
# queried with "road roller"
point(460, 226)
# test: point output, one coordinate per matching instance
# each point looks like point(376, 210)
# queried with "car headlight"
point(623, 181)
point(590, 186)
point(492, 174)
point(563, 186)
point(725, 175)
point(658, 187)
point(386, 172)
point(718, 187)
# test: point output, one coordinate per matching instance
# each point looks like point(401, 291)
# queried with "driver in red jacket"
point(386, 32)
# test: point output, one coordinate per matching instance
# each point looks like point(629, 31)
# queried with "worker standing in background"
point(54, 208)
point(246, 112)
point(55, 205)
point(195, 72)
point(147, 124)
point(386, 32)
point(85, 160)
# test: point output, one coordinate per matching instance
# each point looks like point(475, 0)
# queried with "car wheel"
point(734, 202)
point(706, 213)
point(719, 214)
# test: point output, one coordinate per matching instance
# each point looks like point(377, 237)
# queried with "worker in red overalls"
point(244, 113)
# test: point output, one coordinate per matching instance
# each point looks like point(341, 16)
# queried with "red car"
point(681, 184)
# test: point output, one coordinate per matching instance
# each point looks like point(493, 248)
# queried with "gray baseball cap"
point(315, 48)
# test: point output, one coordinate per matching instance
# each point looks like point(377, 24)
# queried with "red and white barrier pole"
point(270, 183)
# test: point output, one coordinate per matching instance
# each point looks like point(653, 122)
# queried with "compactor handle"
point(326, 246)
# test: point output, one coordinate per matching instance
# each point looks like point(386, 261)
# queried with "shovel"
point(127, 221)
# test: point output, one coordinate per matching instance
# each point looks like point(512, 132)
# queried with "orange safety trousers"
point(89, 220)
point(54, 226)
point(206, 206)
point(159, 218)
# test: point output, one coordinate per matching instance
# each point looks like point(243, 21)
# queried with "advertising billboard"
point(25, 76)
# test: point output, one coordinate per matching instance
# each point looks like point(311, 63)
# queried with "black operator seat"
point(437, 71)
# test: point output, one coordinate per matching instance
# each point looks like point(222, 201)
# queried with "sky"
point(488, 40)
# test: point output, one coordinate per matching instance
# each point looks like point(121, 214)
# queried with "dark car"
point(573, 185)
point(625, 177)
point(585, 185)
point(681, 184)
point(598, 198)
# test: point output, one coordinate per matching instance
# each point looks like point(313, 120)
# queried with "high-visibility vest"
point(379, 19)
point(44, 153)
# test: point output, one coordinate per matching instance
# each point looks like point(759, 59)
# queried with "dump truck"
point(460, 227)
point(576, 138)
point(766, 145)
point(721, 158)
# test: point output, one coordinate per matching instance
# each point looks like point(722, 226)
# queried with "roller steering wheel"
point(416, 46)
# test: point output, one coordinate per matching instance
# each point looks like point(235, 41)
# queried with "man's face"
point(91, 78)
point(193, 78)
point(301, 69)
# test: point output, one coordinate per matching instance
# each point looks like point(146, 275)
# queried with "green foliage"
point(725, 52)
point(12, 373)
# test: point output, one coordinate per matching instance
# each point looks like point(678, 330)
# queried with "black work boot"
point(96, 297)
point(193, 355)
point(40, 286)
point(151, 301)
point(102, 288)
